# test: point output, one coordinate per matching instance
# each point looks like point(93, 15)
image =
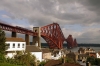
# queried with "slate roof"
point(13, 39)
point(45, 50)
point(32, 48)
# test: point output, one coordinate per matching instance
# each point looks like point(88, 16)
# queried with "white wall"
point(16, 46)
point(98, 56)
point(57, 56)
point(11, 55)
point(38, 55)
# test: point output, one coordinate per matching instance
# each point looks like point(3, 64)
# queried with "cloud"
point(89, 35)
point(44, 12)
point(5, 16)
point(65, 12)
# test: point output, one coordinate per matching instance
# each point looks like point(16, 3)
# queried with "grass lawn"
point(7, 64)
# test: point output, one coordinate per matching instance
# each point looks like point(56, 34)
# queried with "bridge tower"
point(36, 39)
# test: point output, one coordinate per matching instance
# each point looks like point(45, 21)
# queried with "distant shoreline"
point(89, 45)
point(79, 45)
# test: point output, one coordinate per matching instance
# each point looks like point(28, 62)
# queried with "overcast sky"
point(80, 18)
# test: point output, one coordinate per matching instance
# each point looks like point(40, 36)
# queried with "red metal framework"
point(17, 29)
point(75, 43)
point(53, 35)
point(70, 42)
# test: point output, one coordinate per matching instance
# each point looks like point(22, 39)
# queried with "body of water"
point(96, 47)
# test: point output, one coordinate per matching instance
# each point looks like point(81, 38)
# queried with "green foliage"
point(93, 61)
point(24, 59)
point(2, 42)
point(8, 64)
point(2, 46)
point(69, 60)
point(42, 63)
point(2, 58)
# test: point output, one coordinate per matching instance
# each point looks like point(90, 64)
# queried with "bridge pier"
point(36, 39)
point(27, 39)
point(14, 34)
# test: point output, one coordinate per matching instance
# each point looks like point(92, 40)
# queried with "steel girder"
point(53, 35)
point(75, 43)
point(71, 43)
point(17, 29)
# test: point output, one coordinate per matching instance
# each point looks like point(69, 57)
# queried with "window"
point(18, 45)
point(22, 45)
point(8, 45)
point(13, 45)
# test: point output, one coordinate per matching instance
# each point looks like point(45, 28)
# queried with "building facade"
point(13, 45)
point(46, 54)
point(34, 50)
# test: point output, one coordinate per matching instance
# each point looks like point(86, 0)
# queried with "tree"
point(42, 63)
point(2, 45)
point(25, 58)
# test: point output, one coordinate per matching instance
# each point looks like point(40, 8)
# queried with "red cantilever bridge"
point(51, 33)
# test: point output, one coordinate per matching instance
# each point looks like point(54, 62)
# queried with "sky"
point(80, 18)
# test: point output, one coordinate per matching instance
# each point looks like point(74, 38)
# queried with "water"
point(96, 47)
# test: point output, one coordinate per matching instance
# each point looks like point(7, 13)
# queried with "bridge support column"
point(14, 34)
point(36, 39)
point(27, 39)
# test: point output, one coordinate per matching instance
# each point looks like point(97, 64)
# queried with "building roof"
point(99, 52)
point(71, 64)
point(59, 63)
point(15, 39)
point(53, 63)
point(71, 53)
point(81, 49)
point(32, 48)
point(45, 50)
point(83, 55)
point(92, 55)
point(89, 49)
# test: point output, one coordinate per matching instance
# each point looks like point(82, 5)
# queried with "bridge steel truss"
point(17, 29)
point(71, 43)
point(53, 36)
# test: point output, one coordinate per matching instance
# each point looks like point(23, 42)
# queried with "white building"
point(57, 54)
point(98, 54)
point(14, 44)
point(34, 50)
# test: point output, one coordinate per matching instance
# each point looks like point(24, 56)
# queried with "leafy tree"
point(42, 63)
point(25, 59)
point(2, 42)
point(2, 45)
point(93, 60)
point(69, 60)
